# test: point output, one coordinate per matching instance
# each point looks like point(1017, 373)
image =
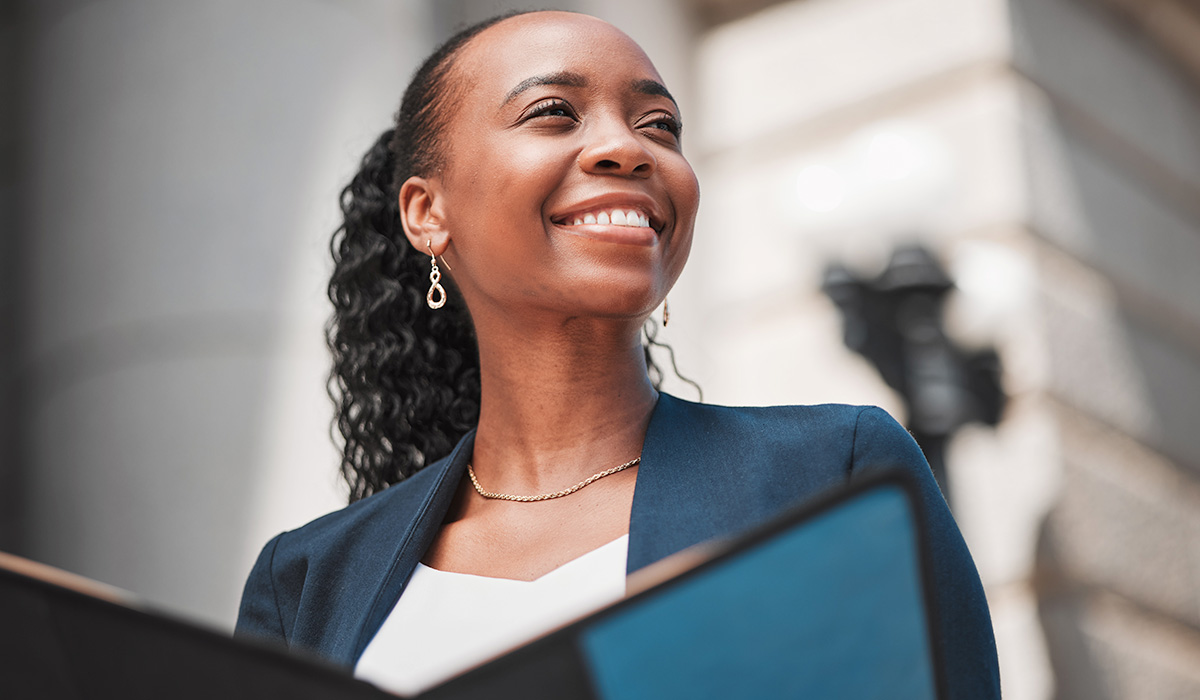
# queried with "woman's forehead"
point(526, 47)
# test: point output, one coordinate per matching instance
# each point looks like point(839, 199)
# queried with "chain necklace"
point(547, 496)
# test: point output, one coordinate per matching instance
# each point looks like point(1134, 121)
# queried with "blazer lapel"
point(672, 499)
point(415, 540)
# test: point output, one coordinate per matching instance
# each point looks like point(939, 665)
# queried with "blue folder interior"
point(831, 608)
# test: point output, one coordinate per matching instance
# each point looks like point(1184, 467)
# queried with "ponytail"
point(405, 379)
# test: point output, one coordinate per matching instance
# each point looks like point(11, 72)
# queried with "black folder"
point(831, 600)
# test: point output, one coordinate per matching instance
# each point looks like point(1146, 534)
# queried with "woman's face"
point(564, 187)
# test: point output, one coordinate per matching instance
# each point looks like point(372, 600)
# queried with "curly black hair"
point(405, 379)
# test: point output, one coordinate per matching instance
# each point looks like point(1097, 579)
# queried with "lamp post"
point(895, 321)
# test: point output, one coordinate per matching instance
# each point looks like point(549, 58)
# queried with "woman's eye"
point(551, 108)
point(668, 123)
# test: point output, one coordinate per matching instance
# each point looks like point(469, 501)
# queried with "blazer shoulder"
point(397, 502)
point(825, 413)
point(813, 444)
point(323, 574)
point(829, 423)
point(880, 442)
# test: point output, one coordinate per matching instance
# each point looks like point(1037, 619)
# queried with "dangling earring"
point(666, 312)
point(435, 276)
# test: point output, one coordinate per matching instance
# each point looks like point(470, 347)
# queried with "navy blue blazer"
point(706, 471)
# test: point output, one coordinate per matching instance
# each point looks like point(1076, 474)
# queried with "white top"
point(446, 622)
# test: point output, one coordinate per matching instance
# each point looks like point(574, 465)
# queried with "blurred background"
point(983, 215)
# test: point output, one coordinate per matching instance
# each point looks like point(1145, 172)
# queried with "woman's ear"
point(422, 214)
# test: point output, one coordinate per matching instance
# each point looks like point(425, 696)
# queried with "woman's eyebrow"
point(569, 79)
point(653, 87)
point(563, 78)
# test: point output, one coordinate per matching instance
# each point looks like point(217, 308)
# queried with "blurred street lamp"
point(895, 321)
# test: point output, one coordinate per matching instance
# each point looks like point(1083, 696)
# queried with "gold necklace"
point(547, 496)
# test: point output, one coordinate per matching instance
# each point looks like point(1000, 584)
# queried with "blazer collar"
point(671, 511)
point(436, 486)
point(655, 526)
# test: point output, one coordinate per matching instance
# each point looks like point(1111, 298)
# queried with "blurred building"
point(168, 182)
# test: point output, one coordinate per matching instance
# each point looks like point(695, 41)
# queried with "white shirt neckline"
point(446, 622)
point(622, 540)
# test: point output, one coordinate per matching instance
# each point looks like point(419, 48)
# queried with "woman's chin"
point(617, 305)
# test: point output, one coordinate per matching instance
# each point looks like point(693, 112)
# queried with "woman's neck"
point(578, 405)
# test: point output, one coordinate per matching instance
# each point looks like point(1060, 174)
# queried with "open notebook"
point(828, 601)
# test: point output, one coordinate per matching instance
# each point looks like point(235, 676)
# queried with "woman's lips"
point(617, 222)
point(613, 233)
point(627, 215)
point(614, 216)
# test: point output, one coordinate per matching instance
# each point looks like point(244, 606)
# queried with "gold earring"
point(666, 312)
point(435, 276)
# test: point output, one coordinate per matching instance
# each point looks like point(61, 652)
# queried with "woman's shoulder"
point(813, 411)
point(848, 421)
point(327, 564)
point(393, 507)
point(839, 441)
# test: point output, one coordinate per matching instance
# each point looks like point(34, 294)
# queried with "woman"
point(536, 161)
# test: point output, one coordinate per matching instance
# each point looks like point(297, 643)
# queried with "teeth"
point(615, 217)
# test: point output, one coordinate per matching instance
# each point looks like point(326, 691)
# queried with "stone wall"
point(1112, 132)
point(1050, 156)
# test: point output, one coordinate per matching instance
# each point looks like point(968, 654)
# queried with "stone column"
point(1111, 127)
point(186, 159)
point(1051, 156)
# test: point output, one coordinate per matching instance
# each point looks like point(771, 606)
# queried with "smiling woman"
point(509, 457)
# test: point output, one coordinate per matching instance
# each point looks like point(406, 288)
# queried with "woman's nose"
point(617, 149)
